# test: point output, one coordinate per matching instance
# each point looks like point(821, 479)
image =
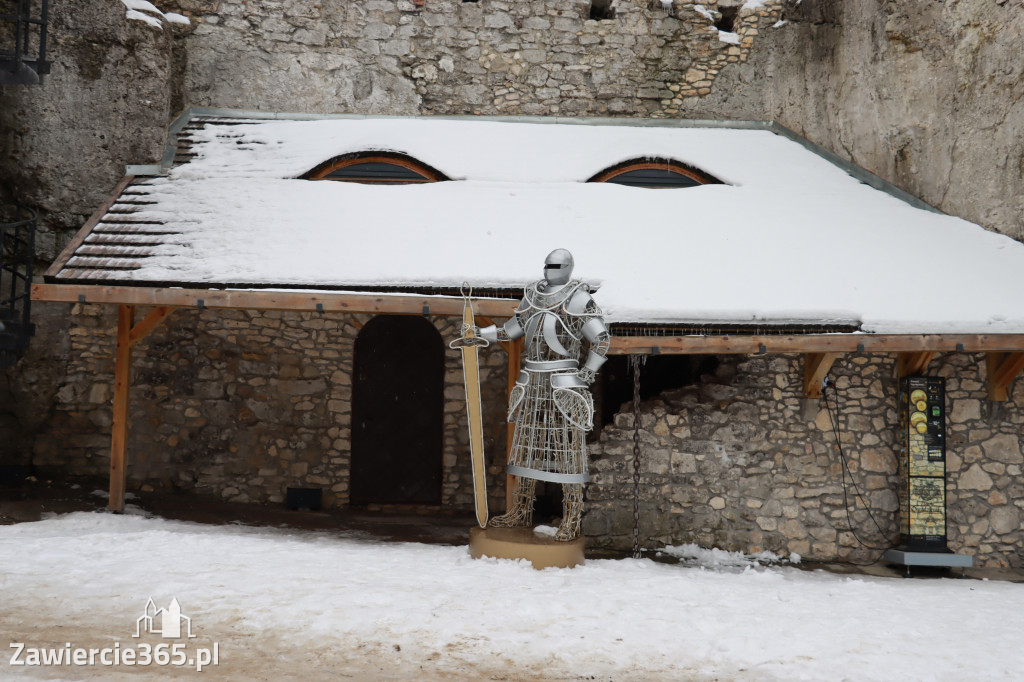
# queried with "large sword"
point(470, 345)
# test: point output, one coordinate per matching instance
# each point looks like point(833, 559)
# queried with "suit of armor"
point(551, 404)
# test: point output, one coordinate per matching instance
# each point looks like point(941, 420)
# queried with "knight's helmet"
point(558, 267)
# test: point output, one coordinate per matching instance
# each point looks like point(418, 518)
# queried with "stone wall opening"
point(602, 9)
point(728, 20)
point(658, 373)
point(397, 412)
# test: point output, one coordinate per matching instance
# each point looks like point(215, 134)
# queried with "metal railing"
point(17, 255)
point(20, 63)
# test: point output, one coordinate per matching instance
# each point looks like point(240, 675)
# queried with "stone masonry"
point(547, 57)
point(244, 404)
point(731, 463)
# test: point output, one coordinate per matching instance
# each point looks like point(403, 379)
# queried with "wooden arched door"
point(397, 412)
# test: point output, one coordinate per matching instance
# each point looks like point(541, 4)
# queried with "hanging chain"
point(635, 361)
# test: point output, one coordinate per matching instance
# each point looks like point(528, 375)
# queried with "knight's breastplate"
point(551, 332)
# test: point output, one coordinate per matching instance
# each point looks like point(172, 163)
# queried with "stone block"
point(1005, 519)
point(1003, 448)
point(965, 410)
point(974, 479)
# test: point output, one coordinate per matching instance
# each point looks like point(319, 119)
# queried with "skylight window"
point(654, 175)
point(376, 168)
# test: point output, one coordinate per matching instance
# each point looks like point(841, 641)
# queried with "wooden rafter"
point(1002, 369)
point(816, 366)
point(261, 299)
point(502, 308)
point(815, 343)
point(910, 364)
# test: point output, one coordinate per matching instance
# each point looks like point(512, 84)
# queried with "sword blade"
point(469, 345)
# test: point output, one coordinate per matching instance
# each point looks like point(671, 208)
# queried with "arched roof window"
point(376, 168)
point(655, 174)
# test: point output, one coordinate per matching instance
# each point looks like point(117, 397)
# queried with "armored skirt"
point(550, 405)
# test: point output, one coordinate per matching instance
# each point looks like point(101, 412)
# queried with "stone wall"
point(64, 145)
point(731, 462)
point(244, 404)
point(546, 57)
point(927, 95)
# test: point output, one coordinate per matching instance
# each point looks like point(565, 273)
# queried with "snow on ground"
point(287, 604)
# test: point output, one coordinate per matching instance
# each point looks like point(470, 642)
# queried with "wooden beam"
point(515, 351)
point(263, 299)
point(376, 303)
point(815, 343)
point(76, 241)
point(1002, 369)
point(816, 366)
point(910, 364)
point(119, 429)
point(151, 322)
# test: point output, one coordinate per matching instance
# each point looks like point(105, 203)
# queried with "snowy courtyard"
point(296, 604)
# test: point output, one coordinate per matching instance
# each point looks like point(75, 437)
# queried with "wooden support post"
point(515, 351)
point(122, 383)
point(1002, 369)
point(128, 334)
point(816, 366)
point(910, 364)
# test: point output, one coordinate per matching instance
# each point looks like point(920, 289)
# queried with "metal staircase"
point(23, 41)
point(22, 62)
point(17, 253)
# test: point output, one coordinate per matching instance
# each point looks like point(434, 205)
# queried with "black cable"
point(846, 469)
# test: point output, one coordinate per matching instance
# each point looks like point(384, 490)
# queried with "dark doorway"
point(397, 412)
point(658, 374)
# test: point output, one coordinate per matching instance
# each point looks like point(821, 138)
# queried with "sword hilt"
point(469, 342)
point(469, 338)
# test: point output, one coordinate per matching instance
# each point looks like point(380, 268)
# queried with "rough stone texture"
point(451, 57)
point(928, 95)
point(28, 390)
point(244, 404)
point(64, 144)
point(730, 463)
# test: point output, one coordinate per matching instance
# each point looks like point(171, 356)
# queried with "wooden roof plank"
point(69, 250)
point(133, 228)
point(119, 239)
point(113, 250)
point(104, 263)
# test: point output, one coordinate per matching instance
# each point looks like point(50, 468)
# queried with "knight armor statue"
point(551, 404)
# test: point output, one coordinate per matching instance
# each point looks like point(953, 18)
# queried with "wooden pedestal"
point(542, 551)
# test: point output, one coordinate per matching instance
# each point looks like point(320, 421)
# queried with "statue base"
point(542, 551)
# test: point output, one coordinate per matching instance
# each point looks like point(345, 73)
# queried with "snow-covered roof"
point(790, 237)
